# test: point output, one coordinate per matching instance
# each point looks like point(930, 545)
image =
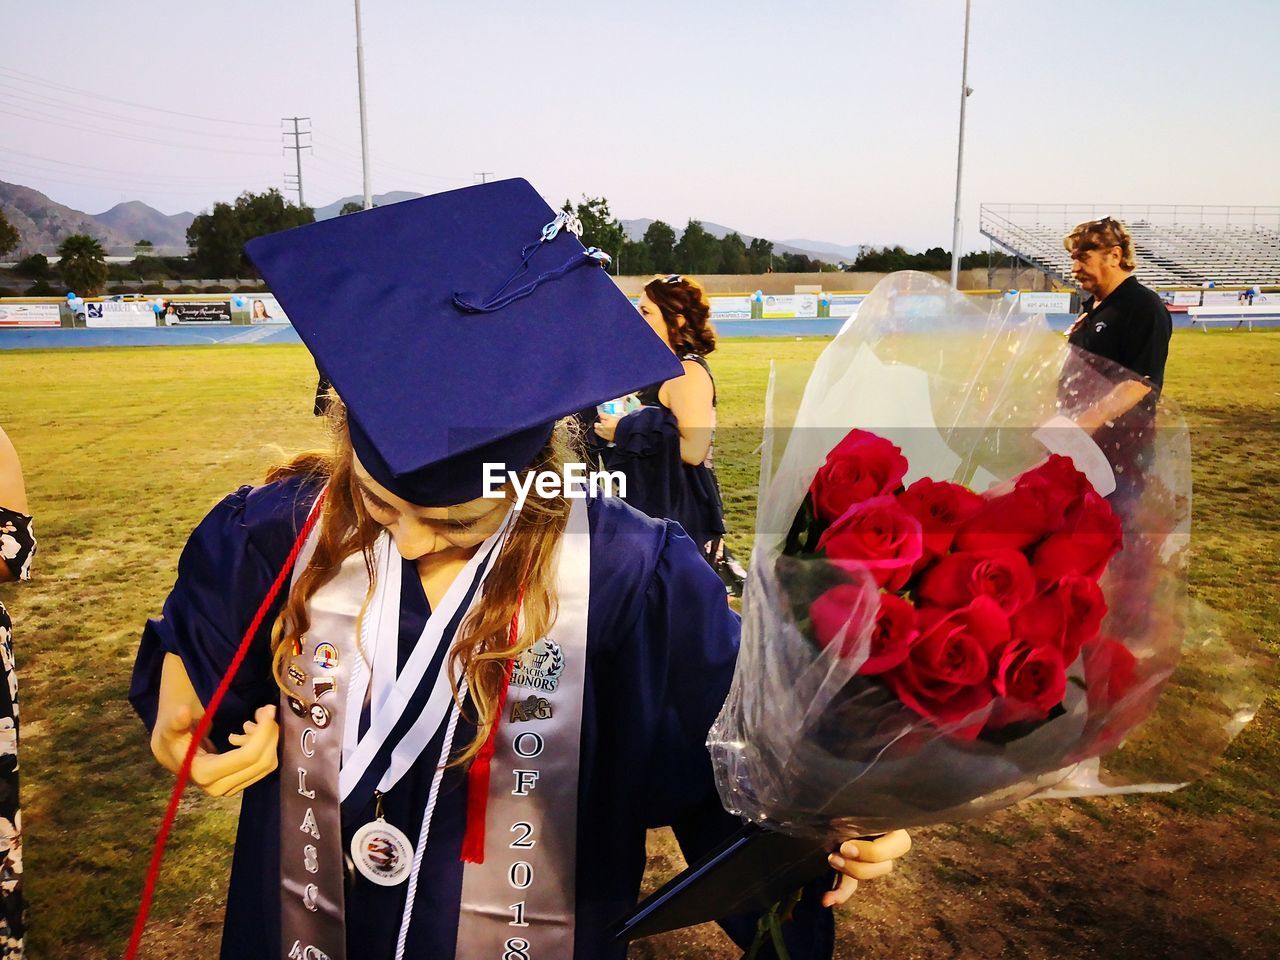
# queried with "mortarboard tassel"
point(478, 775)
point(203, 727)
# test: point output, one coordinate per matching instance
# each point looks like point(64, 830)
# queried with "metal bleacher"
point(1174, 245)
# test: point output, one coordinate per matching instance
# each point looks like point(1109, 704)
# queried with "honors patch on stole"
point(540, 666)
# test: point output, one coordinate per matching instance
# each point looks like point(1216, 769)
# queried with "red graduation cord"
point(202, 731)
point(478, 775)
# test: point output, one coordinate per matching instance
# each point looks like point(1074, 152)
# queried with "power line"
point(33, 100)
point(143, 177)
point(80, 128)
point(20, 77)
point(297, 148)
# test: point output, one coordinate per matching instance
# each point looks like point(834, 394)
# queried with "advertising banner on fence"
point(780, 306)
point(112, 313)
point(197, 311)
point(845, 304)
point(805, 306)
point(730, 308)
point(263, 308)
point(1225, 298)
point(1031, 301)
point(29, 315)
point(1186, 298)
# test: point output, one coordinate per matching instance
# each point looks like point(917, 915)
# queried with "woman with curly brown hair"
point(665, 448)
point(455, 725)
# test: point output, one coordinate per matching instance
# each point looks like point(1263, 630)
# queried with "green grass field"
point(126, 449)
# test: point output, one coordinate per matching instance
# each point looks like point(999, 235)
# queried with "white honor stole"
point(537, 750)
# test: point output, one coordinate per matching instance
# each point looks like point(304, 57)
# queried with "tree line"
point(216, 239)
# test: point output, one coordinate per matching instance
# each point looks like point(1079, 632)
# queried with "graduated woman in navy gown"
point(475, 698)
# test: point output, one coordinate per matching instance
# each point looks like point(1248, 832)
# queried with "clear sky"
point(829, 120)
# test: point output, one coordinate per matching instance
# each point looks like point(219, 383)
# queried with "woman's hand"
point(606, 426)
point(253, 753)
point(864, 860)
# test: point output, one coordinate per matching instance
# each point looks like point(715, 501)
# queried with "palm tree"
point(83, 265)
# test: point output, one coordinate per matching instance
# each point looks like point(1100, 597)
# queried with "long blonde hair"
point(482, 644)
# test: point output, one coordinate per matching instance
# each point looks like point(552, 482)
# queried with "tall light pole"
point(964, 95)
point(364, 118)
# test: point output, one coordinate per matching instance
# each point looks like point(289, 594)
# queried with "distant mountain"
point(814, 250)
point(42, 223)
point(137, 221)
point(329, 211)
point(845, 253)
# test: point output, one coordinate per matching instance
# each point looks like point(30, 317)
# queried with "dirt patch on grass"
point(1103, 879)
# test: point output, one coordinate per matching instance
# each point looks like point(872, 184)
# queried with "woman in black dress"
point(665, 449)
point(17, 546)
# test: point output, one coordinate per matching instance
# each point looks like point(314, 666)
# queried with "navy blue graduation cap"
point(458, 328)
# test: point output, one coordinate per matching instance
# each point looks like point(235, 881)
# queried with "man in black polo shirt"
point(1122, 320)
point(1127, 324)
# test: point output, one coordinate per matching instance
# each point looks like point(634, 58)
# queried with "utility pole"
point(964, 95)
point(484, 175)
point(297, 147)
point(364, 116)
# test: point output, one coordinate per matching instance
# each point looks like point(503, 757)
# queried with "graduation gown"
point(661, 646)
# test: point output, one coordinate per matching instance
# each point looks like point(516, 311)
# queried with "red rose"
point(946, 676)
point(1057, 482)
point(1119, 699)
point(876, 535)
point(862, 466)
point(1007, 521)
point(1110, 673)
point(1036, 505)
point(1067, 615)
point(1032, 680)
point(842, 609)
point(1003, 575)
point(941, 508)
point(1087, 540)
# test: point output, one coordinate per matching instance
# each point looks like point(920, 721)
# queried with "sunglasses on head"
point(672, 278)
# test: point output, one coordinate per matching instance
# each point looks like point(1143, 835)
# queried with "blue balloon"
point(155, 306)
point(1011, 294)
point(70, 295)
point(238, 301)
point(759, 296)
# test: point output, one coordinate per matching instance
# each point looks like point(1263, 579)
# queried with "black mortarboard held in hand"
point(458, 328)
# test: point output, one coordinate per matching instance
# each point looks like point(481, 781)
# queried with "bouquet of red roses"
point(985, 600)
point(959, 597)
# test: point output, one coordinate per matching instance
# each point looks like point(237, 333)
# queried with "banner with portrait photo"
point(262, 308)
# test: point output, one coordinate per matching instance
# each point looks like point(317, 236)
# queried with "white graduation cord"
point(432, 796)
